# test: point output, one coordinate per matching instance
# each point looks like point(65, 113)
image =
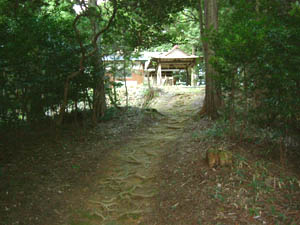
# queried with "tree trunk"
point(125, 81)
point(193, 74)
point(212, 101)
point(65, 98)
point(99, 101)
point(188, 76)
point(114, 88)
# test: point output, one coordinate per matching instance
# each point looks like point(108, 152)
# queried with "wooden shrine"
point(162, 67)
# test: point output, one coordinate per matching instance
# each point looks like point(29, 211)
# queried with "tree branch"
point(192, 17)
point(108, 23)
point(82, 49)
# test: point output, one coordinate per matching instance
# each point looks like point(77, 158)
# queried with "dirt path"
point(141, 167)
point(126, 184)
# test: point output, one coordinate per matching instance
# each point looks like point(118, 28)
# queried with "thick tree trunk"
point(188, 76)
point(212, 101)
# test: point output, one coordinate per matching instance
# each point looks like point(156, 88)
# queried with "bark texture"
point(209, 23)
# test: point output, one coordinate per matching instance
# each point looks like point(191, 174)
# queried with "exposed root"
point(115, 180)
point(104, 183)
point(99, 214)
point(109, 200)
point(134, 212)
point(184, 120)
point(113, 187)
point(132, 153)
point(126, 194)
point(133, 162)
point(173, 121)
point(132, 159)
point(119, 178)
point(106, 206)
point(150, 153)
point(143, 195)
point(173, 127)
point(142, 177)
point(137, 160)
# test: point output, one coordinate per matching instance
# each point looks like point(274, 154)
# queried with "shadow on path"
point(126, 185)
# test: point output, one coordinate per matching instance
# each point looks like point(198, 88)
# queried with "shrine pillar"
point(159, 75)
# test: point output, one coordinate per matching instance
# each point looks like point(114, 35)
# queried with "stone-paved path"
point(126, 185)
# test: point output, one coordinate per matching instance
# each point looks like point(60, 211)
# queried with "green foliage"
point(257, 55)
point(184, 32)
point(35, 59)
point(40, 49)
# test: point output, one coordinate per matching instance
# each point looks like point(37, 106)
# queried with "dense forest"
point(52, 54)
point(53, 67)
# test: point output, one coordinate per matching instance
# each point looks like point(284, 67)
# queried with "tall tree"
point(209, 23)
point(99, 103)
point(100, 18)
